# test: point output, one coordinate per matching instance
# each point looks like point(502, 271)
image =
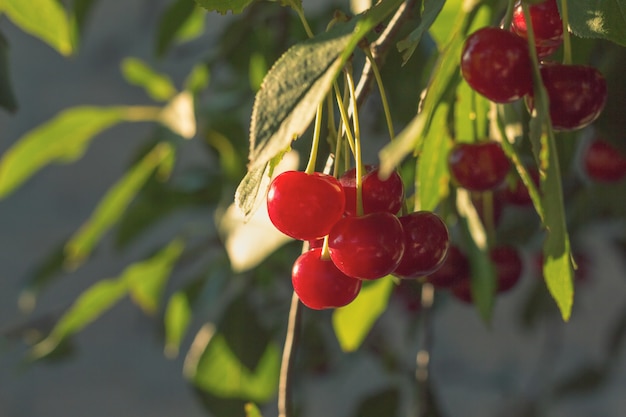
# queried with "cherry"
point(319, 284)
point(426, 244)
point(455, 268)
point(305, 206)
point(367, 247)
point(378, 195)
point(496, 64)
point(547, 26)
point(603, 162)
point(508, 265)
point(479, 166)
point(577, 94)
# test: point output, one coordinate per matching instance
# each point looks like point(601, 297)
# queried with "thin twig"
point(286, 367)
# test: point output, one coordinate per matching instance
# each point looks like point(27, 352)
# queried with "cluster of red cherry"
point(350, 241)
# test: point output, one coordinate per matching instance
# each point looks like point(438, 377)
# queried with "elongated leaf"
point(224, 6)
point(214, 368)
point(431, 9)
point(353, 322)
point(79, 14)
point(7, 98)
point(158, 86)
point(45, 19)
point(113, 205)
point(171, 22)
point(101, 296)
point(177, 318)
point(62, 139)
point(604, 19)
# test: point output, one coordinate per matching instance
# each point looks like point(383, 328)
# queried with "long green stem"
point(310, 167)
point(567, 43)
point(345, 120)
point(381, 89)
point(357, 146)
point(508, 15)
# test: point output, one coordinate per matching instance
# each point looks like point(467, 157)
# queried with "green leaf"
point(45, 19)
point(213, 367)
point(113, 205)
point(62, 139)
point(432, 179)
point(353, 322)
point(158, 86)
point(224, 6)
point(431, 9)
point(252, 410)
point(177, 317)
point(172, 20)
point(604, 19)
point(198, 78)
point(7, 98)
point(78, 17)
point(446, 18)
point(101, 296)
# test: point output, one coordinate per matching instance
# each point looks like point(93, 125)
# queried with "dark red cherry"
point(426, 243)
point(508, 266)
point(305, 206)
point(378, 195)
point(319, 284)
point(547, 26)
point(603, 162)
point(496, 64)
point(479, 166)
point(367, 247)
point(455, 268)
point(577, 94)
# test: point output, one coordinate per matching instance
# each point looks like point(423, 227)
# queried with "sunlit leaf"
point(7, 98)
point(224, 6)
point(353, 322)
point(171, 22)
point(62, 139)
point(431, 9)
point(198, 79)
point(598, 19)
point(158, 86)
point(45, 19)
point(176, 321)
point(113, 205)
point(252, 410)
point(179, 115)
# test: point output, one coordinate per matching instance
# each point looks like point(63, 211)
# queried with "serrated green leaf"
point(212, 367)
point(171, 22)
point(353, 322)
point(112, 206)
point(45, 19)
point(224, 6)
point(7, 98)
point(62, 139)
point(101, 296)
point(605, 19)
point(432, 179)
point(430, 11)
point(158, 86)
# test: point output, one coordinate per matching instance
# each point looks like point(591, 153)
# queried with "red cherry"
point(577, 94)
point(479, 166)
point(367, 247)
point(378, 195)
point(305, 206)
point(496, 64)
point(319, 284)
point(603, 162)
point(455, 268)
point(508, 266)
point(426, 244)
point(518, 194)
point(547, 26)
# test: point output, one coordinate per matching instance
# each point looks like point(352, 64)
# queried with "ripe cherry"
point(547, 26)
point(378, 195)
point(603, 162)
point(319, 284)
point(479, 166)
point(305, 206)
point(577, 94)
point(426, 244)
point(455, 268)
point(367, 247)
point(496, 64)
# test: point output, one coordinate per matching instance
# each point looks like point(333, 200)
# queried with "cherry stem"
point(310, 167)
point(357, 145)
point(474, 115)
point(381, 89)
point(567, 42)
point(422, 359)
point(344, 119)
point(286, 366)
point(508, 15)
point(300, 11)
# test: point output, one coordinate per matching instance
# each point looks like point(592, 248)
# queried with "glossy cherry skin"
point(426, 243)
point(319, 284)
point(305, 206)
point(547, 26)
point(479, 166)
point(577, 94)
point(377, 195)
point(603, 162)
point(496, 64)
point(455, 268)
point(367, 247)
